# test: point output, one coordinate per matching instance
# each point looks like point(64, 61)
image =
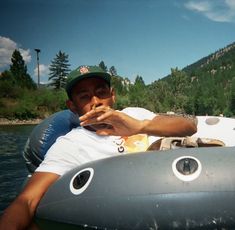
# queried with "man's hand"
point(107, 121)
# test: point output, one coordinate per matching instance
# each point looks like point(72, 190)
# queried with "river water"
point(12, 167)
point(13, 171)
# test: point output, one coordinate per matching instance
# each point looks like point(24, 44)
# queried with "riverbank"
point(5, 121)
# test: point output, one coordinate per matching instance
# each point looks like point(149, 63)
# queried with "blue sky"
point(144, 37)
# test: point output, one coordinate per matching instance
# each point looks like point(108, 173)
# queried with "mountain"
point(204, 87)
point(223, 58)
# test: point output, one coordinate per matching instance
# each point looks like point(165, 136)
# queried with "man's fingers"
point(89, 122)
point(88, 116)
point(105, 115)
point(98, 112)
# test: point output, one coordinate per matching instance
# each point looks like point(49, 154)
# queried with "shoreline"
point(5, 121)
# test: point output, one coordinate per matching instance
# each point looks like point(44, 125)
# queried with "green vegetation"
point(20, 98)
point(59, 69)
point(205, 87)
point(29, 104)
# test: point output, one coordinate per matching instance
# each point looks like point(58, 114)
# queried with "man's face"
point(89, 93)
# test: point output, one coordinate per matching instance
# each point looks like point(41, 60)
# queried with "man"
point(104, 132)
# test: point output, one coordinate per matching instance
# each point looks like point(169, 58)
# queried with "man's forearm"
point(17, 216)
point(164, 125)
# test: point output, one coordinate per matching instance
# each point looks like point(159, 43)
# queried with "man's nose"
point(95, 101)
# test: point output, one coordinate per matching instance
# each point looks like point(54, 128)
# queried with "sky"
point(138, 37)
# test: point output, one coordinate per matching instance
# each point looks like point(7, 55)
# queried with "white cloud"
point(43, 73)
point(198, 6)
point(230, 3)
point(7, 47)
point(216, 10)
point(26, 55)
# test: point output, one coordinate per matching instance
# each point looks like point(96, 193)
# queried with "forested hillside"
point(204, 87)
point(211, 87)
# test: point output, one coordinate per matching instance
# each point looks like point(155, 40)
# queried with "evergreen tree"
point(113, 71)
point(138, 93)
point(139, 82)
point(7, 84)
point(59, 70)
point(160, 94)
point(180, 86)
point(18, 70)
point(103, 66)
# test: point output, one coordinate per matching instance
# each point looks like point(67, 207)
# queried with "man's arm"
point(170, 125)
point(21, 211)
point(123, 125)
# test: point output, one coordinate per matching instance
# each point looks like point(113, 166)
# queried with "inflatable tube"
point(176, 189)
point(45, 134)
point(221, 128)
point(185, 188)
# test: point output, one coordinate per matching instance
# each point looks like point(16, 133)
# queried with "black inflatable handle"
point(45, 134)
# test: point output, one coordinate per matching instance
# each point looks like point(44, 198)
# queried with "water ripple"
point(12, 167)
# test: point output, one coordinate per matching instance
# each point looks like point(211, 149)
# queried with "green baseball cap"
point(83, 72)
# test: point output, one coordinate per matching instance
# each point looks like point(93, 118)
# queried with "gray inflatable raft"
point(187, 188)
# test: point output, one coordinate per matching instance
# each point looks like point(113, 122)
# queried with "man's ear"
point(71, 106)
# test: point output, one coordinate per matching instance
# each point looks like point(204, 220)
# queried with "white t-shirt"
point(80, 146)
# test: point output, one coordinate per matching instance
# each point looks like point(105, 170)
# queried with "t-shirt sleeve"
point(139, 113)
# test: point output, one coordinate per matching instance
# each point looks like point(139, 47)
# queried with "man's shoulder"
point(71, 134)
point(138, 112)
point(134, 109)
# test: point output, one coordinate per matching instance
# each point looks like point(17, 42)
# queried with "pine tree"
point(59, 70)
point(113, 71)
point(103, 66)
point(139, 81)
point(18, 70)
point(137, 93)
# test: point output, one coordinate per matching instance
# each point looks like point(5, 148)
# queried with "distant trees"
point(103, 66)
point(137, 93)
point(7, 85)
point(19, 73)
point(19, 98)
point(59, 70)
point(199, 91)
point(208, 88)
point(14, 80)
point(113, 71)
